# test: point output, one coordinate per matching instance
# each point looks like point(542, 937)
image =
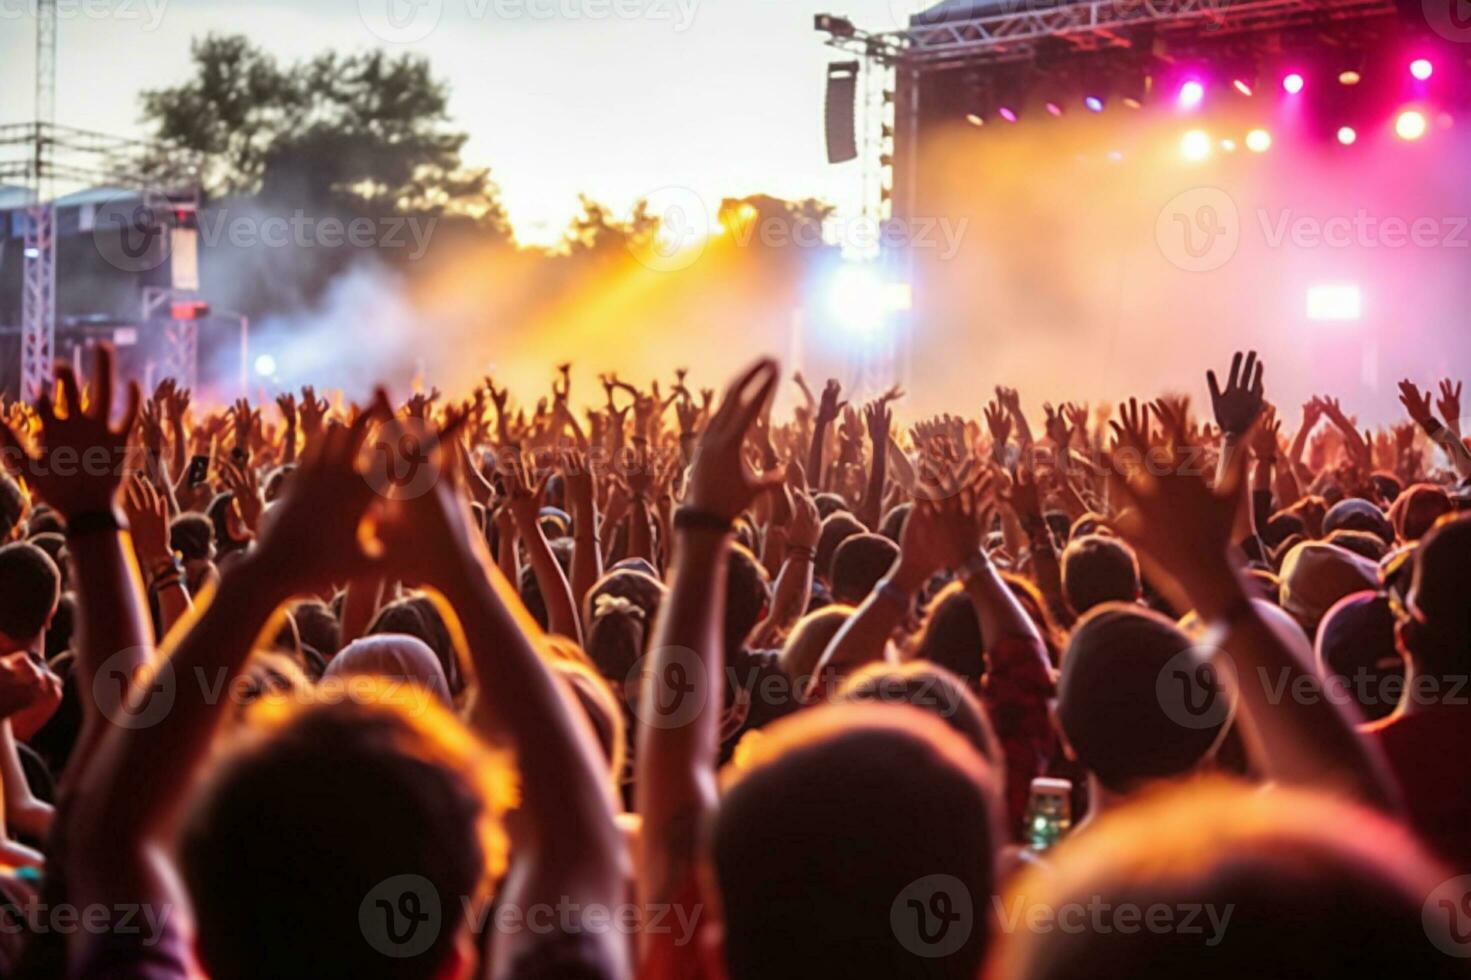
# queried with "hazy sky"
point(615, 98)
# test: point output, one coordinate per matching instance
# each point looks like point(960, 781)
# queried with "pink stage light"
point(1410, 125)
point(1292, 83)
point(1191, 93)
point(1347, 135)
point(1094, 103)
point(1006, 113)
point(1421, 68)
point(1241, 86)
point(1054, 109)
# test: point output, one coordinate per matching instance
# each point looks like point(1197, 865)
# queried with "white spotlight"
point(1335, 302)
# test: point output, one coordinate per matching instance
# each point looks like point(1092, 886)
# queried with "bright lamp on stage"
point(1422, 69)
point(1195, 145)
point(1093, 103)
point(1410, 125)
point(1242, 85)
point(265, 366)
point(1347, 135)
point(859, 298)
point(1259, 141)
point(1335, 302)
point(1190, 94)
point(1292, 83)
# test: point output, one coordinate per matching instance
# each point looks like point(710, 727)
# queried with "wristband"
point(801, 551)
point(94, 522)
point(974, 565)
point(1432, 427)
point(692, 519)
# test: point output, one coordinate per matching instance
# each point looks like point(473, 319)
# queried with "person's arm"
point(568, 852)
point(1418, 405)
point(1183, 530)
point(1026, 507)
point(1237, 407)
point(148, 516)
point(1449, 404)
point(287, 404)
point(1012, 402)
point(1312, 412)
point(793, 587)
point(675, 763)
point(827, 412)
point(878, 419)
point(587, 552)
point(127, 794)
point(113, 632)
point(551, 581)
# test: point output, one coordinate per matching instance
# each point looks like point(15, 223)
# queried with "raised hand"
point(830, 407)
point(417, 407)
point(1266, 439)
point(90, 484)
point(148, 517)
point(1449, 404)
point(240, 480)
point(287, 404)
point(1173, 415)
point(1239, 404)
point(999, 422)
point(1056, 427)
point(1131, 431)
point(244, 420)
point(312, 413)
point(1312, 414)
point(878, 420)
point(523, 495)
point(1416, 403)
point(722, 482)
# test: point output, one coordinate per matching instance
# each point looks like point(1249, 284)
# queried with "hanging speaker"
point(842, 101)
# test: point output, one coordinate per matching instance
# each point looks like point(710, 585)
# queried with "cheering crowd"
point(656, 683)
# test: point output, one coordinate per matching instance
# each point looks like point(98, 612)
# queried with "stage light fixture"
point(1410, 125)
point(1093, 103)
point(1349, 77)
point(1054, 109)
point(1422, 69)
point(1007, 113)
point(974, 119)
point(1292, 83)
point(859, 298)
point(1228, 145)
point(1335, 302)
point(1191, 93)
point(1347, 135)
point(265, 366)
point(1195, 145)
point(1242, 86)
point(1259, 141)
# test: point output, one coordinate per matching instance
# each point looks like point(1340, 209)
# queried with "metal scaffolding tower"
point(38, 319)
